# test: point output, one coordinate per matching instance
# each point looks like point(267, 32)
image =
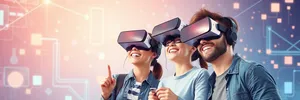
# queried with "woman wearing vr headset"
point(143, 52)
point(188, 82)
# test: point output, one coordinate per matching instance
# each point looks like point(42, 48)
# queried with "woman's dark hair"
point(157, 69)
point(202, 63)
point(156, 48)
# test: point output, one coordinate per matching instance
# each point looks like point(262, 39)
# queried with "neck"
point(183, 66)
point(141, 72)
point(223, 62)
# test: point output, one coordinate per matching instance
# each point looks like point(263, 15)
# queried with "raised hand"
point(107, 84)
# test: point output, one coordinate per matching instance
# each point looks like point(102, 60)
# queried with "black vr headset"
point(209, 29)
point(139, 39)
point(170, 30)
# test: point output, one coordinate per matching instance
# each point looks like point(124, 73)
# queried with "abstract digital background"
point(59, 49)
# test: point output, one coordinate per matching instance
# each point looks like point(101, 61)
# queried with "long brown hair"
point(157, 70)
point(202, 63)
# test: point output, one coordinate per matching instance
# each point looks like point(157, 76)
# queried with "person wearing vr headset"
point(189, 82)
point(233, 78)
point(143, 52)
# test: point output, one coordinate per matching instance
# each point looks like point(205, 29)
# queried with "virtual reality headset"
point(135, 38)
point(169, 28)
point(206, 29)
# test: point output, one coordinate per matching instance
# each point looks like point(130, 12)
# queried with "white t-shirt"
point(134, 92)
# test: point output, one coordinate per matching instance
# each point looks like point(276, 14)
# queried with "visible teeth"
point(173, 50)
point(205, 48)
point(135, 55)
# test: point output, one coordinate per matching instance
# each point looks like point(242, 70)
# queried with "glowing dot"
point(279, 20)
point(245, 49)
point(15, 79)
point(203, 5)
point(47, 2)
point(292, 35)
point(7, 25)
point(268, 51)
point(22, 52)
point(275, 66)
point(244, 57)
point(288, 60)
point(275, 7)
point(259, 51)
point(288, 7)
point(298, 64)
point(68, 97)
point(272, 61)
point(101, 56)
point(293, 27)
point(56, 30)
point(28, 91)
point(37, 80)
point(117, 2)
point(250, 50)
point(38, 52)
point(36, 39)
point(263, 16)
point(251, 28)
point(241, 40)
point(236, 5)
point(252, 17)
point(86, 17)
point(275, 46)
point(289, 1)
point(58, 22)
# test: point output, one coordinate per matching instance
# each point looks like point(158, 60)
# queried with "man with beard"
point(233, 78)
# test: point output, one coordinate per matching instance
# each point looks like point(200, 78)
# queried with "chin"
point(172, 58)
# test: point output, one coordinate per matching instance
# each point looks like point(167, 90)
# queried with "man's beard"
point(219, 50)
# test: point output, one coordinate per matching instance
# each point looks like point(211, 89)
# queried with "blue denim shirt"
point(247, 81)
point(129, 81)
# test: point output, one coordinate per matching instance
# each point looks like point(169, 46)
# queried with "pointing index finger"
point(109, 71)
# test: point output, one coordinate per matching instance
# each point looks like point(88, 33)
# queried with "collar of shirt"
point(232, 69)
point(151, 80)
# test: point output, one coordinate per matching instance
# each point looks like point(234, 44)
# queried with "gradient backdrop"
point(59, 49)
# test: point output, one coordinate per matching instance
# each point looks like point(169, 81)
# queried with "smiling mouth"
point(135, 55)
point(173, 50)
point(206, 47)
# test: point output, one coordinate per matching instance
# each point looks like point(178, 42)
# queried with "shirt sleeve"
point(261, 84)
point(202, 86)
point(160, 84)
